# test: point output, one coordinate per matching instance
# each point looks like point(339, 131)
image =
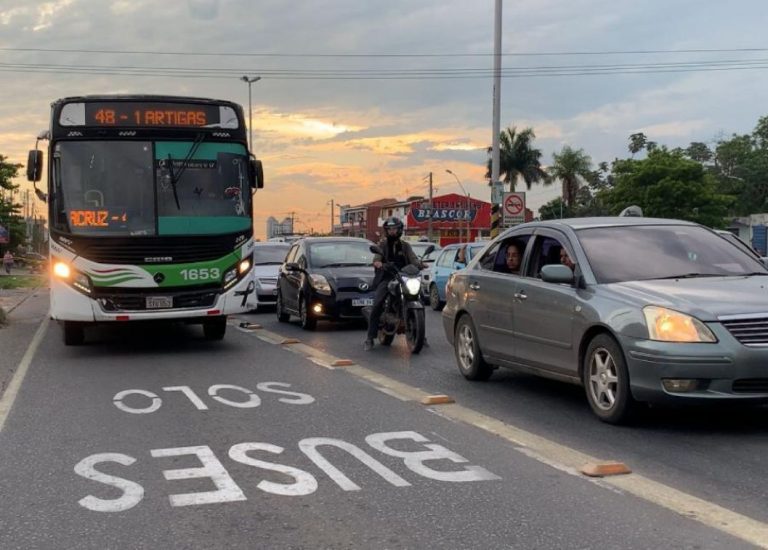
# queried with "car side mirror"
point(376, 250)
point(256, 174)
point(34, 165)
point(292, 266)
point(557, 273)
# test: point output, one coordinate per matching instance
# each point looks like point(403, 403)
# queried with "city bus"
point(150, 211)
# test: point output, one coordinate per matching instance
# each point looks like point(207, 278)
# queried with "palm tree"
point(571, 166)
point(518, 158)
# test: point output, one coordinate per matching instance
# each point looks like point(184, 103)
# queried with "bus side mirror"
point(256, 174)
point(34, 165)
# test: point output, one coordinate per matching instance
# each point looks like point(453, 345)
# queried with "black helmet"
point(393, 223)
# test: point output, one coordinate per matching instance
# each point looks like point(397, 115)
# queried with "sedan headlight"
point(412, 285)
point(667, 325)
point(320, 284)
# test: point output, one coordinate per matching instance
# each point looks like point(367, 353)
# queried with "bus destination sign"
point(144, 114)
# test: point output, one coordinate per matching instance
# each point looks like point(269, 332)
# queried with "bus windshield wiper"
point(176, 177)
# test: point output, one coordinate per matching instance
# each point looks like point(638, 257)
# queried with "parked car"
point(267, 259)
point(730, 237)
point(451, 258)
point(325, 278)
point(652, 311)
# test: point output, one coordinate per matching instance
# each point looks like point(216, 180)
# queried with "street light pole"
point(249, 81)
point(465, 195)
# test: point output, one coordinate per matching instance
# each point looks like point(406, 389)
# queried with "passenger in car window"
point(565, 259)
point(512, 259)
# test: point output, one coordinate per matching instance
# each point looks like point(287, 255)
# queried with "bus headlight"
point(244, 266)
point(81, 282)
point(61, 270)
point(230, 277)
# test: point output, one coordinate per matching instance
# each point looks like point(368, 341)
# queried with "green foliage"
point(637, 143)
point(571, 166)
point(518, 158)
point(667, 185)
point(10, 212)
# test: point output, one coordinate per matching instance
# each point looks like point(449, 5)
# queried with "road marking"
point(567, 459)
point(6, 401)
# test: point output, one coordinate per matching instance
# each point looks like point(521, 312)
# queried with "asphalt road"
point(718, 455)
point(151, 437)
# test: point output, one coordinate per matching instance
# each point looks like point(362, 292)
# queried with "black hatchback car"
point(325, 278)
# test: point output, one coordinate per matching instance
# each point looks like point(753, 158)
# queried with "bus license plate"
point(159, 302)
point(362, 302)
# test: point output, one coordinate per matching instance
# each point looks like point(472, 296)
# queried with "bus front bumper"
point(68, 304)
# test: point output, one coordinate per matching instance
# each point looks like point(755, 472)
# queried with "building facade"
point(277, 229)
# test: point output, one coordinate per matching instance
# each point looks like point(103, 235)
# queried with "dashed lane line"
point(554, 454)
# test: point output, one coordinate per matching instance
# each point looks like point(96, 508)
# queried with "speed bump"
point(602, 469)
point(250, 326)
point(437, 400)
point(286, 341)
point(342, 363)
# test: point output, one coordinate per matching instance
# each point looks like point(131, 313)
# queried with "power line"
point(383, 55)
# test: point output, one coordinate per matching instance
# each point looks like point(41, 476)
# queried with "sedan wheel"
point(282, 316)
point(307, 321)
point(469, 358)
point(606, 380)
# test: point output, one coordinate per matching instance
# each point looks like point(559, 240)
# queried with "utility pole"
point(332, 215)
point(429, 221)
point(496, 188)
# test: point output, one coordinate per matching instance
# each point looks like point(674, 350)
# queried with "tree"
point(10, 212)
point(667, 185)
point(571, 166)
point(518, 158)
point(700, 152)
point(637, 143)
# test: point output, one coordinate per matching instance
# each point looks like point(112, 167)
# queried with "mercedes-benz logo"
point(159, 278)
point(363, 286)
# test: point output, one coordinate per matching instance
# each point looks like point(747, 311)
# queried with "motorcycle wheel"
point(415, 330)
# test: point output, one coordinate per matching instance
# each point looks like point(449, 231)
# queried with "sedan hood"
point(348, 278)
point(706, 298)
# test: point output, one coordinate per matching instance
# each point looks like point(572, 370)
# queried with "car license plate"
point(362, 302)
point(159, 302)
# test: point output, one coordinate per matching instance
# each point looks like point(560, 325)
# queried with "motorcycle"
point(403, 311)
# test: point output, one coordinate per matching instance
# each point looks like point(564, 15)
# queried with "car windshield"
point(636, 253)
point(340, 254)
point(269, 255)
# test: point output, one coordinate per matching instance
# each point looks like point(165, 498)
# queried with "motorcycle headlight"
point(320, 284)
point(413, 286)
point(667, 325)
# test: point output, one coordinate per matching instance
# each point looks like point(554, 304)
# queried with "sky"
point(348, 107)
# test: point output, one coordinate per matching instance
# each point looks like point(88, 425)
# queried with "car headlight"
point(413, 286)
point(320, 284)
point(667, 325)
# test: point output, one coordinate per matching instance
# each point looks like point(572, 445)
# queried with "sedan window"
point(447, 258)
point(635, 253)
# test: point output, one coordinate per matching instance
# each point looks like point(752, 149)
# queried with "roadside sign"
point(513, 209)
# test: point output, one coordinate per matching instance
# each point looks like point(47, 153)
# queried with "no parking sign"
point(513, 209)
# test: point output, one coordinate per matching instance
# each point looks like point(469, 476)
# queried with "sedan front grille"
point(749, 331)
point(750, 385)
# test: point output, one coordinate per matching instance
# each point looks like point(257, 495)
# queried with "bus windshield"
point(143, 188)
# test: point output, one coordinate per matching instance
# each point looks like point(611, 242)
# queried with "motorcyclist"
point(394, 251)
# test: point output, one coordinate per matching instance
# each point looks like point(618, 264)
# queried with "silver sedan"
point(633, 309)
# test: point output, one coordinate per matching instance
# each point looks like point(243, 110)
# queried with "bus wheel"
point(74, 333)
point(214, 329)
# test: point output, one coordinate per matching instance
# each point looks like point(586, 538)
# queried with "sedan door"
point(545, 312)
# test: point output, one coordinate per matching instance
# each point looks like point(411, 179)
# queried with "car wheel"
point(215, 329)
point(307, 321)
point(74, 333)
point(469, 358)
point(606, 380)
point(282, 316)
point(434, 298)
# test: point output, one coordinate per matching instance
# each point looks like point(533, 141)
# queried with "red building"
point(455, 218)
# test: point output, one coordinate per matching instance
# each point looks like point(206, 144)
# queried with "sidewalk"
point(12, 298)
